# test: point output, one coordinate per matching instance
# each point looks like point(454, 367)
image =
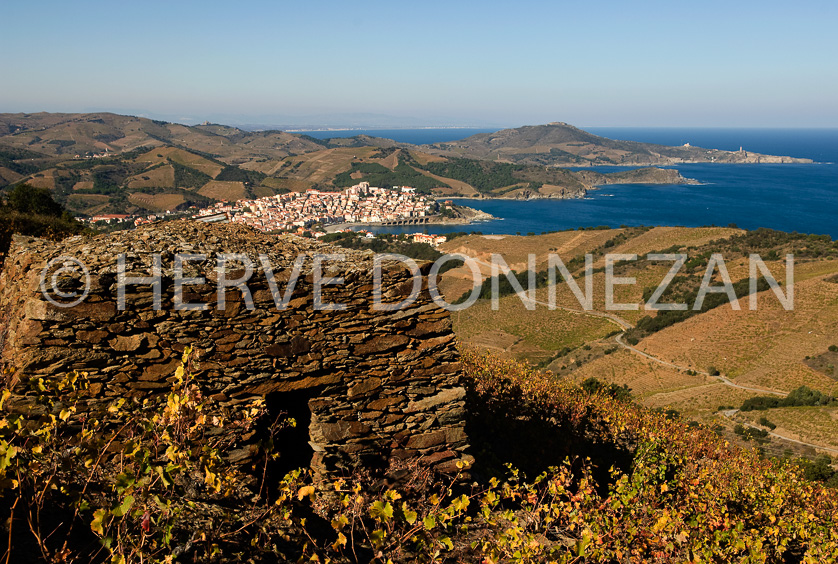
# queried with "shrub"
point(594, 386)
point(819, 469)
point(32, 211)
point(802, 396)
point(766, 423)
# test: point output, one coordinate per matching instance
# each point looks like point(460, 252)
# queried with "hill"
point(108, 163)
point(143, 433)
point(696, 362)
point(561, 144)
point(61, 135)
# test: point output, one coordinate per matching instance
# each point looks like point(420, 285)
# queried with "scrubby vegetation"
point(686, 294)
point(594, 386)
point(32, 211)
point(484, 176)
point(802, 396)
point(773, 245)
point(379, 175)
point(606, 481)
point(10, 157)
point(489, 177)
point(186, 177)
point(819, 470)
point(766, 423)
point(236, 174)
point(750, 434)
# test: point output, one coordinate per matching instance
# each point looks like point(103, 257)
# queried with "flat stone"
point(127, 344)
point(160, 371)
point(297, 345)
point(426, 441)
point(450, 466)
point(94, 337)
point(383, 403)
point(435, 342)
point(99, 311)
point(29, 329)
point(364, 387)
point(289, 385)
point(445, 396)
point(342, 430)
point(455, 435)
point(145, 385)
point(430, 328)
point(39, 310)
point(381, 344)
point(437, 457)
point(394, 418)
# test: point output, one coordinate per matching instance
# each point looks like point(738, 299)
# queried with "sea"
point(790, 197)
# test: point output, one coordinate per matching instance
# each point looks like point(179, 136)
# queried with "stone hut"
point(366, 386)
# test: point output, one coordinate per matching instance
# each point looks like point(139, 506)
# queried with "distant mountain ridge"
point(108, 163)
point(557, 143)
point(561, 144)
point(71, 134)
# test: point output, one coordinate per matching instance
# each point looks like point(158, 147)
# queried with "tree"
point(28, 199)
point(32, 211)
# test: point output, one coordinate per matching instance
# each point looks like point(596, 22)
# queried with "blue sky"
point(594, 63)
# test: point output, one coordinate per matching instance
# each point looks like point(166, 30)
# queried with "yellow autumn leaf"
point(661, 523)
point(341, 541)
point(304, 491)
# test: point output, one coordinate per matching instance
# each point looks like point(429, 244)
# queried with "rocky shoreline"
point(591, 180)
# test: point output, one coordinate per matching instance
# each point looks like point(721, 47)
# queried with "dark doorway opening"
point(292, 443)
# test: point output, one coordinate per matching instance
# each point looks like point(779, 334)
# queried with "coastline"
point(468, 216)
point(750, 160)
point(588, 180)
point(576, 196)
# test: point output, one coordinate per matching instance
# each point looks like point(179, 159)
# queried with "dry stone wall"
point(379, 386)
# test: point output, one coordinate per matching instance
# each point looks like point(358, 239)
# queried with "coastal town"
point(313, 210)
point(361, 203)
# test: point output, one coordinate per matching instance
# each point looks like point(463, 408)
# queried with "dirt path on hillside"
point(729, 413)
point(625, 325)
point(720, 378)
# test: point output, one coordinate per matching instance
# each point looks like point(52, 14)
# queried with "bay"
point(792, 197)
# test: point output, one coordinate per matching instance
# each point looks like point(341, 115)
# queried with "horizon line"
point(296, 127)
